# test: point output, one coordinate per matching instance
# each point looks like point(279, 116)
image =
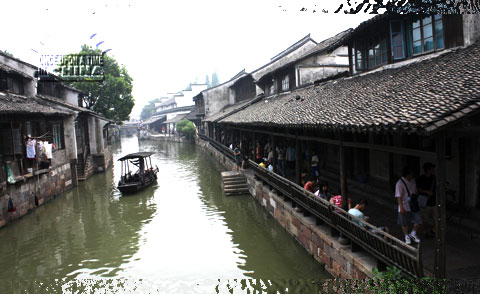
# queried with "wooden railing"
point(384, 247)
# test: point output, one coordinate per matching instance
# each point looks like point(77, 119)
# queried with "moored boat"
point(144, 176)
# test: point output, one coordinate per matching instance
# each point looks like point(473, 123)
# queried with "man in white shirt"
point(405, 187)
point(357, 211)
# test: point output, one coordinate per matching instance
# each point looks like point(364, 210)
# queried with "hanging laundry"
point(48, 149)
point(11, 206)
point(31, 148)
point(11, 178)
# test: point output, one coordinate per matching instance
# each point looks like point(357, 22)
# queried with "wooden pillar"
point(343, 177)
point(274, 162)
point(240, 144)
point(461, 172)
point(439, 268)
point(297, 161)
point(253, 155)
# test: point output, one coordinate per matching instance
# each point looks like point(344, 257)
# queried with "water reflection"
point(183, 228)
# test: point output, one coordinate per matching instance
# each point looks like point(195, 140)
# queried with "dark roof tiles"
point(17, 104)
point(412, 97)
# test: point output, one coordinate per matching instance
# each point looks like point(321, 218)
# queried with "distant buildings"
point(172, 108)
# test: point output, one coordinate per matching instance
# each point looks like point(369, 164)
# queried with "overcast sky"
point(167, 44)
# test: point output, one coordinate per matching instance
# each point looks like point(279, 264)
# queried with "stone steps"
point(84, 170)
point(234, 184)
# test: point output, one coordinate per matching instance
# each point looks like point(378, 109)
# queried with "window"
point(57, 134)
point(373, 55)
point(3, 81)
point(438, 25)
point(396, 39)
point(11, 139)
point(15, 85)
point(377, 52)
point(285, 83)
point(270, 88)
point(427, 34)
point(360, 56)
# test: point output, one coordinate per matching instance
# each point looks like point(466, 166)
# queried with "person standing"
point(426, 189)
point(291, 157)
point(314, 164)
point(237, 156)
point(258, 154)
point(405, 188)
point(281, 160)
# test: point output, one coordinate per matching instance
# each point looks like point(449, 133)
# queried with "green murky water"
point(181, 232)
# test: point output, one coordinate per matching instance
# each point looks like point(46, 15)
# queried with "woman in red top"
point(310, 185)
point(258, 154)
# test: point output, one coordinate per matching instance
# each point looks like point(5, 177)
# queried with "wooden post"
point(240, 144)
point(297, 161)
point(253, 155)
point(274, 162)
point(461, 172)
point(439, 268)
point(343, 177)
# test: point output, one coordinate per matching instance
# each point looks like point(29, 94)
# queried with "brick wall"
point(50, 184)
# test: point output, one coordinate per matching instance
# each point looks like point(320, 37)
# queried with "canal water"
point(181, 231)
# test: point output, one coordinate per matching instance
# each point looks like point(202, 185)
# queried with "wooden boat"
point(144, 176)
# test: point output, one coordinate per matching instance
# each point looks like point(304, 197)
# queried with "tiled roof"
point(17, 104)
point(192, 115)
point(63, 104)
point(154, 119)
point(9, 69)
point(324, 46)
point(293, 47)
point(418, 97)
point(230, 109)
point(168, 102)
point(329, 44)
point(176, 119)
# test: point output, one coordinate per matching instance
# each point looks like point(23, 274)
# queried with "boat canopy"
point(136, 155)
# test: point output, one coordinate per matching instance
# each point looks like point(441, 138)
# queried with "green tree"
point(186, 127)
point(111, 98)
point(7, 53)
point(207, 81)
point(149, 109)
point(215, 80)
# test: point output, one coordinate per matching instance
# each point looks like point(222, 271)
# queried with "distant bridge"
point(129, 128)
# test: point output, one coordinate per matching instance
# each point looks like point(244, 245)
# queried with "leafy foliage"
point(215, 80)
point(392, 272)
point(392, 281)
point(112, 98)
point(7, 53)
point(207, 81)
point(149, 109)
point(186, 127)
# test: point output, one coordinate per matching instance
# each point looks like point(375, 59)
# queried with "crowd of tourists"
point(416, 199)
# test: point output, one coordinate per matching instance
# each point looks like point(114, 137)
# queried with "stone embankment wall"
point(316, 239)
point(168, 139)
point(49, 182)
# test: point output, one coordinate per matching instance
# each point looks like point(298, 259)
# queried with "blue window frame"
point(397, 40)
